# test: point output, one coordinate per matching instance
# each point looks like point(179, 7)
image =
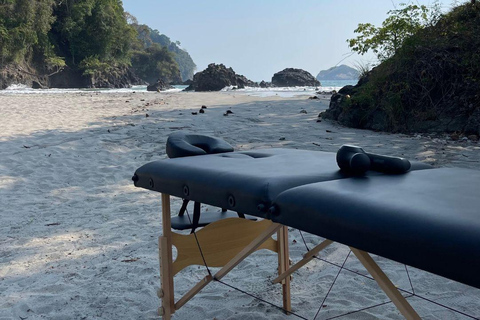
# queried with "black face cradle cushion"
point(181, 144)
point(244, 182)
point(428, 219)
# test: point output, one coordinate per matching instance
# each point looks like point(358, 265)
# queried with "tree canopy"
point(400, 24)
point(92, 36)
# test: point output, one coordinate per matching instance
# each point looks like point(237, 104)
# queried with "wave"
point(23, 89)
point(284, 92)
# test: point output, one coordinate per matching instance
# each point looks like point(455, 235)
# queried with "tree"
point(156, 62)
point(93, 29)
point(400, 24)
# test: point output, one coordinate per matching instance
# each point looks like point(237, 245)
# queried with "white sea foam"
point(285, 92)
point(23, 89)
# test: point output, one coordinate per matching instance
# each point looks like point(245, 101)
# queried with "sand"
point(79, 241)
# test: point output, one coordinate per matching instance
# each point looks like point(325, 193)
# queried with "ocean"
point(327, 85)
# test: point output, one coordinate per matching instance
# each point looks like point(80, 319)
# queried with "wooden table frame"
point(243, 237)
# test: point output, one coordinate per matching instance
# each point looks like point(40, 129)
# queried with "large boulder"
point(160, 85)
point(216, 77)
point(291, 77)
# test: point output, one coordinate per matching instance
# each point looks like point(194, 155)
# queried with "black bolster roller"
point(181, 144)
point(354, 160)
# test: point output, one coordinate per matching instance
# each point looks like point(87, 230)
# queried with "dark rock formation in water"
point(264, 84)
point(160, 85)
point(291, 77)
point(216, 77)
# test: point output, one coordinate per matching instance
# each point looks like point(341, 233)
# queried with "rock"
point(201, 111)
point(338, 111)
point(160, 85)
point(204, 107)
point(291, 77)
point(216, 77)
point(312, 98)
point(117, 77)
point(303, 111)
point(13, 74)
point(37, 85)
point(264, 84)
point(473, 137)
point(455, 136)
point(187, 82)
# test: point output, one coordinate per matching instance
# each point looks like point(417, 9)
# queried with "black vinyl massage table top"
point(429, 219)
point(246, 181)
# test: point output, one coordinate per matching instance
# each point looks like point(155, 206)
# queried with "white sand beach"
point(79, 241)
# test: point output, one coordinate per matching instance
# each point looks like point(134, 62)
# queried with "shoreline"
point(79, 241)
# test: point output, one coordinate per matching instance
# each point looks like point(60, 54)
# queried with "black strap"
point(196, 216)
point(183, 208)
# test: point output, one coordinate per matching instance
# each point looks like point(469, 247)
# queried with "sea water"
point(326, 86)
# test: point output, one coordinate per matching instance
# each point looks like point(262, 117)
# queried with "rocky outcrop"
point(115, 78)
point(15, 74)
point(291, 77)
point(264, 84)
point(216, 77)
point(67, 78)
point(160, 85)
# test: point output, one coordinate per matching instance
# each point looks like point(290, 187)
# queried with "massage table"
point(265, 184)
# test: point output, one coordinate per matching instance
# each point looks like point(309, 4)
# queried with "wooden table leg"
point(165, 254)
point(386, 285)
point(283, 265)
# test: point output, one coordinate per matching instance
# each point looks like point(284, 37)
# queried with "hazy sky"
point(260, 37)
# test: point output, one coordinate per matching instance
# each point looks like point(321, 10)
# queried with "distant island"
point(341, 72)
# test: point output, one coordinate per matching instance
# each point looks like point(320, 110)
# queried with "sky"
point(258, 38)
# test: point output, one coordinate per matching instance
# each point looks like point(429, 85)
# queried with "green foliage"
point(155, 63)
point(148, 37)
point(92, 66)
point(24, 25)
point(93, 36)
point(90, 28)
point(431, 83)
point(400, 24)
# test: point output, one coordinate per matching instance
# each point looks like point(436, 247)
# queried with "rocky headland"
point(432, 83)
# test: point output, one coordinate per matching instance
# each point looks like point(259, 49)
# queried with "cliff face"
point(432, 84)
